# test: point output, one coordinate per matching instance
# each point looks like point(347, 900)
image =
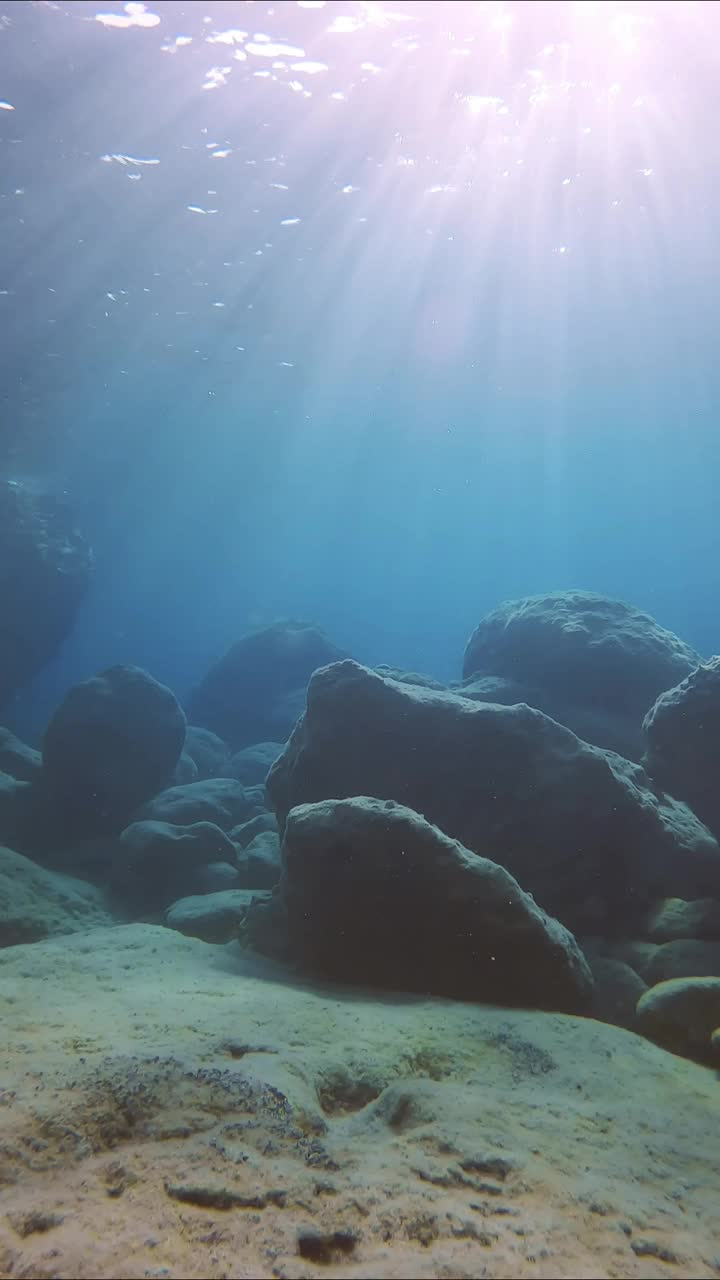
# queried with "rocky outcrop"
point(682, 734)
point(37, 904)
point(256, 691)
point(45, 571)
point(580, 828)
point(113, 742)
point(374, 894)
point(593, 663)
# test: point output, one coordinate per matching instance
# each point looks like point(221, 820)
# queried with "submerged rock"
point(682, 732)
point(260, 861)
point(594, 663)
point(682, 1015)
point(210, 754)
point(251, 765)
point(113, 742)
point(245, 832)
point(185, 771)
point(376, 895)
point(256, 691)
point(675, 918)
point(684, 958)
point(36, 904)
point(156, 863)
point(213, 917)
point(220, 800)
point(45, 571)
point(580, 828)
point(617, 990)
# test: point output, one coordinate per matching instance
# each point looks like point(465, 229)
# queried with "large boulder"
point(155, 863)
point(112, 743)
point(45, 571)
point(376, 895)
point(682, 733)
point(36, 904)
point(580, 828)
point(256, 691)
point(594, 663)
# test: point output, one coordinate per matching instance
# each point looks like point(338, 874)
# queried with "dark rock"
point(638, 955)
point(217, 877)
point(210, 753)
point(675, 918)
point(28, 1223)
point(616, 993)
point(243, 834)
point(323, 1247)
point(581, 829)
point(185, 771)
point(220, 800)
point(45, 571)
point(156, 863)
point(251, 765)
point(266, 927)
point(17, 759)
point(684, 958)
point(376, 895)
point(653, 1249)
point(682, 731)
point(212, 917)
point(221, 1197)
point(260, 861)
point(583, 653)
point(682, 1015)
point(255, 692)
point(112, 743)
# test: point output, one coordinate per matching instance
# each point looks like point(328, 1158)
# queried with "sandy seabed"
point(174, 1109)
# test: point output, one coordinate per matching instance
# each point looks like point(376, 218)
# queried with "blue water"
point(376, 344)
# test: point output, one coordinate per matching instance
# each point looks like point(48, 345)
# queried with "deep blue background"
point(435, 408)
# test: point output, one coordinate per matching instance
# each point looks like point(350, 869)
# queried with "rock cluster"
point(484, 841)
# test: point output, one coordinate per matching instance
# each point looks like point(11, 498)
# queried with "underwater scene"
point(359, 622)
